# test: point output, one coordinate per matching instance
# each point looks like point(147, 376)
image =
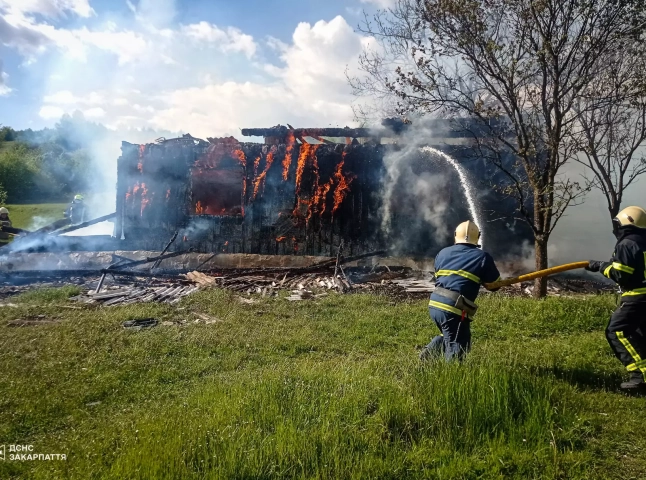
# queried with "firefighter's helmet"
point(4, 210)
point(78, 197)
point(467, 232)
point(635, 216)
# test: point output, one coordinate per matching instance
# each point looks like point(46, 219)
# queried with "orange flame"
point(343, 186)
point(140, 165)
point(226, 243)
point(128, 193)
point(199, 210)
point(268, 161)
point(314, 202)
point(144, 198)
point(135, 189)
point(185, 238)
point(321, 196)
point(281, 239)
point(256, 163)
point(239, 154)
point(306, 152)
point(288, 154)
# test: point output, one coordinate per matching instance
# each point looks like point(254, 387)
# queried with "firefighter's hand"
point(593, 266)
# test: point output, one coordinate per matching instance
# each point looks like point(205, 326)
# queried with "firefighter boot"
point(435, 349)
point(636, 382)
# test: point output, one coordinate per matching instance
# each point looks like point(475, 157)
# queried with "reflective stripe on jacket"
point(627, 266)
point(462, 268)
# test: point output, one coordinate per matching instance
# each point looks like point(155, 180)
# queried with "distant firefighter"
point(4, 222)
point(459, 270)
point(75, 211)
point(627, 267)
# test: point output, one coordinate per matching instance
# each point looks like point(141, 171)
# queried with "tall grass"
point(367, 421)
point(326, 390)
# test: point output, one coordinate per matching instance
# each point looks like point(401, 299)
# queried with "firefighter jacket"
point(462, 268)
point(75, 211)
point(4, 223)
point(627, 266)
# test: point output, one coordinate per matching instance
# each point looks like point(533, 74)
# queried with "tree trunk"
point(614, 210)
point(540, 255)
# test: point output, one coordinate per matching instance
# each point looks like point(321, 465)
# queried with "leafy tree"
point(519, 67)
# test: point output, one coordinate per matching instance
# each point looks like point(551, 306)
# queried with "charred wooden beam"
point(282, 131)
point(84, 224)
point(14, 231)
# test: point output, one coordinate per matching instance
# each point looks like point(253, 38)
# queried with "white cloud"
point(231, 40)
point(148, 43)
point(154, 13)
point(49, 8)
point(203, 94)
point(49, 112)
point(310, 89)
point(93, 113)
point(4, 88)
point(381, 3)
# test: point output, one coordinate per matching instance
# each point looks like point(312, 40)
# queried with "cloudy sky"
point(208, 67)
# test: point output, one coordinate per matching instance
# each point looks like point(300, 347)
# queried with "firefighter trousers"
point(455, 339)
point(626, 334)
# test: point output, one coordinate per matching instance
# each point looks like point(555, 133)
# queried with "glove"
point(594, 266)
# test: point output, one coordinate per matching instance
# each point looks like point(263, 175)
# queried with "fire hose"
point(537, 274)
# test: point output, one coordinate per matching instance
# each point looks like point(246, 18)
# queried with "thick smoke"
point(585, 232)
point(415, 188)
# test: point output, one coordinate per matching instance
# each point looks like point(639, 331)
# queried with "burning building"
point(301, 192)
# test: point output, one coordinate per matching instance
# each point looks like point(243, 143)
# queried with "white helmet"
point(467, 232)
point(4, 210)
point(635, 216)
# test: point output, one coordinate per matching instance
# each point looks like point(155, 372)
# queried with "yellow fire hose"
point(537, 274)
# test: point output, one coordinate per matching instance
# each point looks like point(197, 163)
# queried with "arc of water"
point(464, 181)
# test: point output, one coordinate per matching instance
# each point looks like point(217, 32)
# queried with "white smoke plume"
point(420, 196)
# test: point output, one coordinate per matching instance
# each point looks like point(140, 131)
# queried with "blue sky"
point(208, 67)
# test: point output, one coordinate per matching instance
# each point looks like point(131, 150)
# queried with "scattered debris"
point(206, 318)
point(170, 293)
point(201, 279)
point(140, 323)
point(32, 321)
point(399, 283)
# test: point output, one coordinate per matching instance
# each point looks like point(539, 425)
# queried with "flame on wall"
point(288, 154)
point(315, 198)
point(261, 178)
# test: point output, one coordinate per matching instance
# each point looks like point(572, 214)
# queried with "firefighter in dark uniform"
point(459, 270)
point(75, 211)
point(626, 331)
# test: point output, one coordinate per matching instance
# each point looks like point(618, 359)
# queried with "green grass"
point(22, 216)
point(328, 389)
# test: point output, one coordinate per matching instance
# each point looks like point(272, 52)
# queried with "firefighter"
point(459, 270)
point(627, 267)
point(75, 211)
point(4, 222)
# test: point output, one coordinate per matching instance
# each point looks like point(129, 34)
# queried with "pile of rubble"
point(126, 296)
point(117, 287)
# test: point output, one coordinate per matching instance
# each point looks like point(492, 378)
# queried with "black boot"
point(636, 382)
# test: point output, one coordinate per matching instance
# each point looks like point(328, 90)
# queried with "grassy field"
point(38, 215)
point(327, 389)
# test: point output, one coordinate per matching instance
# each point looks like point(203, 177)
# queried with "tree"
point(7, 134)
point(611, 129)
point(518, 67)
